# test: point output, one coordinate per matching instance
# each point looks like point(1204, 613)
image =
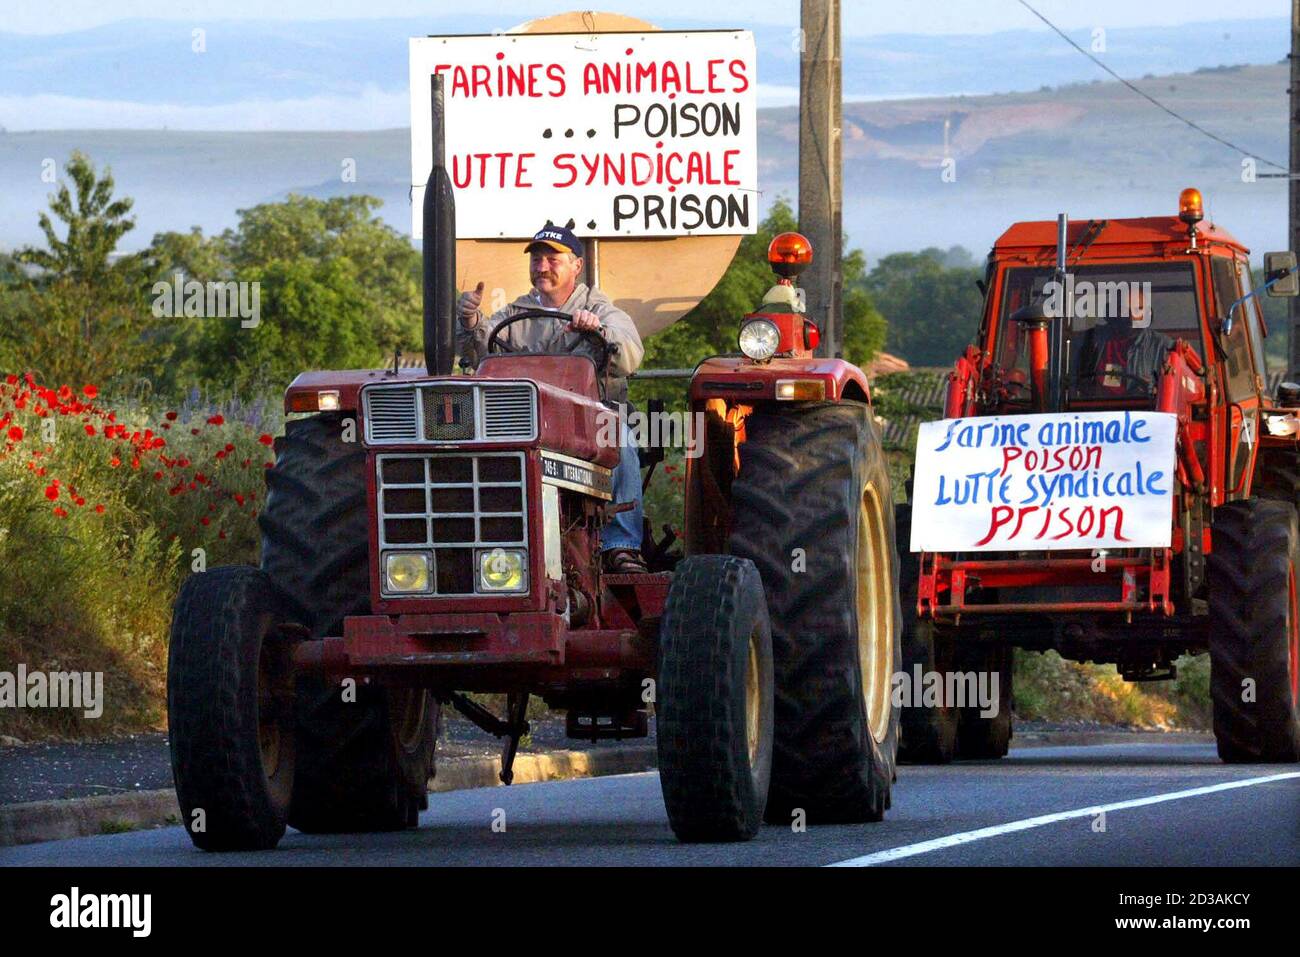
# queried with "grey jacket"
point(546, 335)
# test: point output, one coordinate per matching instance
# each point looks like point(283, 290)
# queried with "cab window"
point(1110, 310)
point(1251, 313)
point(1240, 373)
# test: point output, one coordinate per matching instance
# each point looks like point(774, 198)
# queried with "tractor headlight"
point(503, 570)
point(759, 339)
point(406, 572)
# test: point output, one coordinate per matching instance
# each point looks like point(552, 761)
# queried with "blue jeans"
point(625, 529)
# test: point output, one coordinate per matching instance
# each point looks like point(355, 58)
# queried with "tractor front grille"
point(453, 505)
point(411, 414)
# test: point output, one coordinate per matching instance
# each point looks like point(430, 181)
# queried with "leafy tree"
point(337, 288)
point(932, 310)
point(79, 318)
point(95, 223)
point(710, 328)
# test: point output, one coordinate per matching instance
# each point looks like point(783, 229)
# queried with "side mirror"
point(1280, 271)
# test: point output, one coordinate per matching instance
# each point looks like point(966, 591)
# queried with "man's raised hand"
point(468, 305)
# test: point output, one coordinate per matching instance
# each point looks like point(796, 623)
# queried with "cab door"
point(1241, 376)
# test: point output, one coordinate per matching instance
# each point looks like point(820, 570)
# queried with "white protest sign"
point(1080, 480)
point(625, 134)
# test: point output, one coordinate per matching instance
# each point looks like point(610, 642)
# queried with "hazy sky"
point(859, 16)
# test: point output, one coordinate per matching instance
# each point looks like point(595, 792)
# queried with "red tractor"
point(427, 535)
point(1226, 583)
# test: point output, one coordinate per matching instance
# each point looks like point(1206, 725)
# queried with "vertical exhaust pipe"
point(439, 242)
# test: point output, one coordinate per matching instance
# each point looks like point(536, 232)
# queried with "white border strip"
point(966, 837)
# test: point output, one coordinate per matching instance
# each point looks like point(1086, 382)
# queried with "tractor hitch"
point(512, 728)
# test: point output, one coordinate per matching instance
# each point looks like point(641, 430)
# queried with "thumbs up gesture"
point(468, 305)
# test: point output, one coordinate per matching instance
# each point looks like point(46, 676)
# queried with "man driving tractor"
point(555, 263)
point(1123, 354)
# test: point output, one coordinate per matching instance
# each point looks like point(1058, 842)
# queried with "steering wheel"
point(1147, 384)
point(603, 350)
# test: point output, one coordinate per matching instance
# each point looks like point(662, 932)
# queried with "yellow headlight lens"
point(406, 571)
point(502, 570)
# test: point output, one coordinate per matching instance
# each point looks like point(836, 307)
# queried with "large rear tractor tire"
point(929, 732)
point(365, 753)
point(230, 710)
point(812, 509)
point(714, 700)
point(1255, 631)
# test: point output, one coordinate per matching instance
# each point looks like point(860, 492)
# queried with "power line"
point(1148, 97)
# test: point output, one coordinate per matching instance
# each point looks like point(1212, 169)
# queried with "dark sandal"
point(624, 561)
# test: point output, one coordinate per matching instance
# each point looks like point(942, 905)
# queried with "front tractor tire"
point(363, 759)
point(713, 703)
point(230, 710)
point(1255, 631)
point(812, 509)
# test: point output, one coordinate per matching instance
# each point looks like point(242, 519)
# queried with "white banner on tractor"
point(625, 134)
point(1080, 480)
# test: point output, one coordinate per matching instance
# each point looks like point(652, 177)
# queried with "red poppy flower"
point(79, 500)
point(114, 462)
point(221, 453)
point(11, 379)
point(51, 492)
point(171, 416)
point(265, 439)
point(239, 498)
point(205, 520)
point(15, 433)
point(62, 513)
point(157, 476)
point(89, 391)
point(99, 509)
point(217, 420)
point(194, 431)
point(90, 429)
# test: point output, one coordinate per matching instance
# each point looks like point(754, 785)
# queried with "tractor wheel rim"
point(875, 607)
point(268, 722)
point(753, 702)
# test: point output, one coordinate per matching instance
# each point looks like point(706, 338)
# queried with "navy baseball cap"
point(559, 238)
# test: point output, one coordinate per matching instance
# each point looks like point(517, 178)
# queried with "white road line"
point(966, 837)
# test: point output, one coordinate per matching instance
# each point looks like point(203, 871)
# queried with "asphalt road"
point(1008, 812)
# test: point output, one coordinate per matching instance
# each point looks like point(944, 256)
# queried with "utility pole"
point(820, 203)
point(1293, 185)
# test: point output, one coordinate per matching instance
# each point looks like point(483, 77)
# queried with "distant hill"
point(352, 74)
point(1088, 149)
